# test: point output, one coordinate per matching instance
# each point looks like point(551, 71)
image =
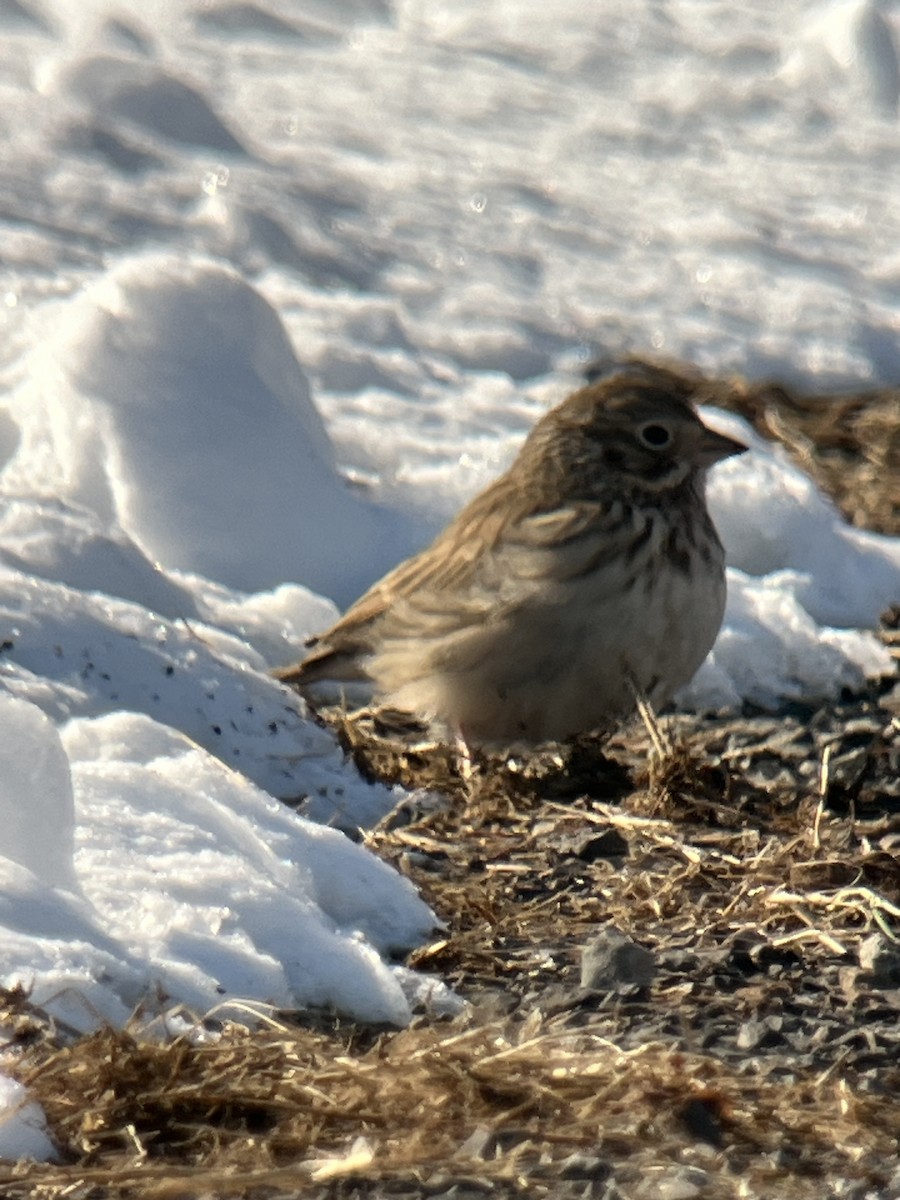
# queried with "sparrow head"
point(629, 434)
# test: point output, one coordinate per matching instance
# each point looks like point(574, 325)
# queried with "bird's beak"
point(712, 447)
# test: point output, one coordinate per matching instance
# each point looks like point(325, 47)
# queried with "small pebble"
point(584, 1166)
point(881, 958)
point(613, 960)
point(685, 1183)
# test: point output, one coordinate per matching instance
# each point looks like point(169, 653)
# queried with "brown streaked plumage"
point(587, 574)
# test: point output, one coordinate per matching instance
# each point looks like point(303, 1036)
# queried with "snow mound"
point(183, 883)
point(163, 357)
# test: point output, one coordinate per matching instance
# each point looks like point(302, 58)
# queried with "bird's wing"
point(448, 585)
point(439, 574)
point(336, 653)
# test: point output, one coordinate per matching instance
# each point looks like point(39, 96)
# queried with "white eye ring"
point(655, 435)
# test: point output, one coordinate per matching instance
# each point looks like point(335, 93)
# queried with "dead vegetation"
point(756, 858)
point(848, 443)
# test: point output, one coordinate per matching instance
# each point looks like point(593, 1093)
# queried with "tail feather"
point(325, 663)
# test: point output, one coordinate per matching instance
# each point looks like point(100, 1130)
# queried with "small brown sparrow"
point(585, 579)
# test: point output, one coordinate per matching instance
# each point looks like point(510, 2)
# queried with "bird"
point(584, 581)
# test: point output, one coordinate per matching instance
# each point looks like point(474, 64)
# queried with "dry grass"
point(284, 1111)
point(849, 443)
point(768, 897)
point(752, 856)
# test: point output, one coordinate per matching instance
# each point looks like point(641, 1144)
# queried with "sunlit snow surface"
point(284, 283)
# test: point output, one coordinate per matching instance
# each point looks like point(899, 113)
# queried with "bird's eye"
point(657, 437)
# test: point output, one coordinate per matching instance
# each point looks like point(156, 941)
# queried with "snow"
point(23, 1131)
point(172, 881)
point(36, 789)
point(282, 286)
point(162, 357)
